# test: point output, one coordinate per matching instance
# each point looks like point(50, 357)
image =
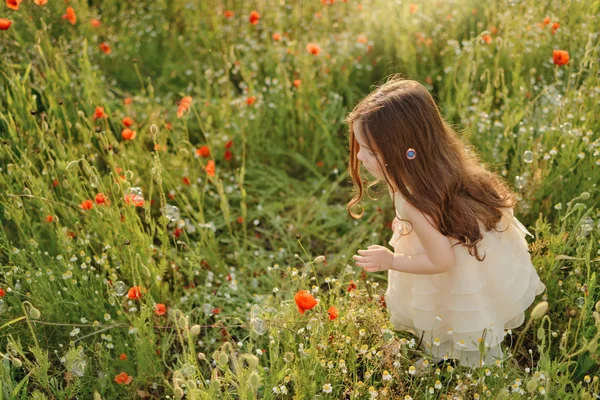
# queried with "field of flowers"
point(173, 189)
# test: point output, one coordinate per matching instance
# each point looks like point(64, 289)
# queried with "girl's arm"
point(438, 257)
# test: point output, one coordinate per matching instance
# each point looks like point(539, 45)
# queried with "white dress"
point(466, 309)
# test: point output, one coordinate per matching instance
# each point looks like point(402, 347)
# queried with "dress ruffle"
point(460, 310)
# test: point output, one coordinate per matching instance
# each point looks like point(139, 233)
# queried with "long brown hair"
point(447, 183)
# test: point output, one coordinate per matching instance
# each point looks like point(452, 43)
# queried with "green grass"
point(228, 267)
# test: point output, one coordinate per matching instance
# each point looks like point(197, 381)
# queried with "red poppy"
point(40, 2)
point(123, 356)
point(105, 48)
point(229, 144)
point(216, 310)
point(96, 23)
point(5, 24)
point(102, 199)
point(333, 313)
point(49, 218)
point(70, 15)
point(123, 378)
point(487, 39)
point(560, 57)
point(305, 301)
point(13, 4)
point(135, 199)
point(555, 26)
point(313, 48)
point(228, 14)
point(160, 309)
point(186, 180)
point(127, 100)
point(228, 155)
point(99, 113)
point(87, 205)
point(184, 105)
point(546, 20)
point(250, 100)
point(240, 220)
point(297, 82)
point(351, 286)
point(210, 168)
point(2, 292)
point(412, 8)
point(128, 134)
point(134, 293)
point(276, 37)
point(128, 121)
point(254, 17)
point(203, 151)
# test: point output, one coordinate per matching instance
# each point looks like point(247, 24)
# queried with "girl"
point(462, 273)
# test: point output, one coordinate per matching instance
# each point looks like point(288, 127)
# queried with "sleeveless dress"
point(463, 313)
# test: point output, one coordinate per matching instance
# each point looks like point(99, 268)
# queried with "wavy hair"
point(448, 183)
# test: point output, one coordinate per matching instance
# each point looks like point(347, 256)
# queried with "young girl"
point(462, 273)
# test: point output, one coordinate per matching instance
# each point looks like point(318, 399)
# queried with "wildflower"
point(313, 48)
point(560, 57)
point(487, 39)
point(250, 100)
point(228, 14)
point(123, 356)
point(203, 151)
point(438, 384)
point(2, 292)
point(412, 370)
point(412, 8)
point(102, 199)
point(127, 101)
point(228, 155)
point(105, 48)
point(184, 105)
point(587, 379)
point(305, 301)
point(333, 313)
point(210, 168)
point(327, 388)
point(407, 397)
point(123, 378)
point(297, 82)
point(5, 24)
point(546, 21)
point(95, 23)
point(555, 26)
point(160, 309)
point(461, 344)
point(99, 113)
point(49, 218)
point(135, 199)
point(128, 134)
point(254, 17)
point(186, 180)
point(128, 121)
point(13, 4)
point(386, 376)
point(134, 293)
point(276, 37)
point(351, 286)
point(70, 15)
point(436, 341)
point(87, 205)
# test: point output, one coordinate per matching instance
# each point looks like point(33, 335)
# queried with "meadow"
point(174, 173)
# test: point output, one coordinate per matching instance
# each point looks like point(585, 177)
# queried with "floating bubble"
point(580, 302)
point(94, 181)
point(258, 326)
point(171, 212)
point(120, 288)
point(587, 226)
point(520, 182)
point(528, 156)
point(136, 190)
point(78, 367)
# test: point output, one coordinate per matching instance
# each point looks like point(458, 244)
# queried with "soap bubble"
point(587, 225)
point(136, 190)
point(258, 326)
point(580, 302)
point(171, 212)
point(120, 288)
point(520, 182)
point(528, 157)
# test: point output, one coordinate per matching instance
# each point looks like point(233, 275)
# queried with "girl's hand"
point(375, 259)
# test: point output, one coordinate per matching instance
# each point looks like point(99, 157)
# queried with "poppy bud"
point(254, 380)
point(201, 356)
point(195, 330)
point(178, 393)
point(597, 306)
point(297, 236)
point(584, 195)
point(539, 310)
point(319, 260)
point(34, 313)
point(16, 362)
point(60, 102)
point(127, 242)
point(97, 129)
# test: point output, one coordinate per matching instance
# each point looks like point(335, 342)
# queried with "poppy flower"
point(102, 199)
point(40, 2)
point(412, 8)
point(313, 48)
point(184, 105)
point(186, 180)
point(134, 293)
point(96, 23)
point(70, 15)
point(297, 82)
point(13, 4)
point(123, 378)
point(87, 205)
point(254, 17)
point(305, 301)
point(203, 151)
point(560, 57)
point(134, 199)
point(228, 155)
point(333, 313)
point(2, 292)
point(128, 134)
point(210, 168)
point(487, 39)
point(127, 101)
point(229, 144)
point(105, 48)
point(250, 100)
point(351, 286)
point(123, 356)
point(276, 37)
point(160, 309)
point(99, 113)
point(49, 218)
point(128, 121)
point(555, 26)
point(228, 14)
point(5, 24)
point(546, 20)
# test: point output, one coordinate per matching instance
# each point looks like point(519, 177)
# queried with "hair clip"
point(411, 154)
